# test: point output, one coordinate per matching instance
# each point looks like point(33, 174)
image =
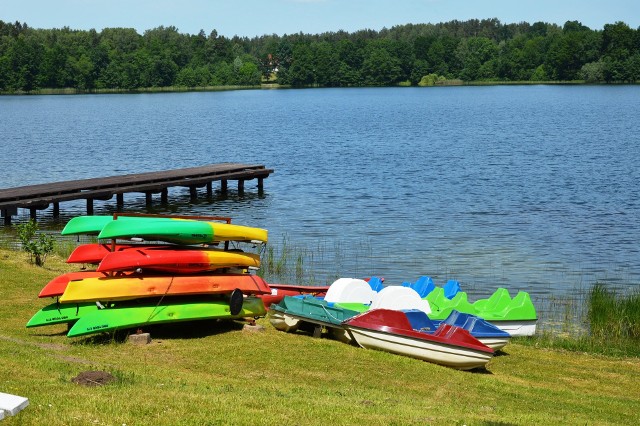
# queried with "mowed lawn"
point(209, 373)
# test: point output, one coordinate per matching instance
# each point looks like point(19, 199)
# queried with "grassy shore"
point(216, 373)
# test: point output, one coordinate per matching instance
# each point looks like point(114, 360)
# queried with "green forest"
point(455, 52)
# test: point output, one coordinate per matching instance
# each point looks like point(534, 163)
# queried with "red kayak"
point(56, 286)
point(94, 253)
point(279, 291)
point(177, 260)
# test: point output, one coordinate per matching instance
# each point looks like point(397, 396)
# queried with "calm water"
point(534, 188)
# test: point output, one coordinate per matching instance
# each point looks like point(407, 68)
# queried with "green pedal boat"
point(516, 316)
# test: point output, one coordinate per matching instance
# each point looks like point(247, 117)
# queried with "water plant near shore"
point(612, 315)
point(600, 321)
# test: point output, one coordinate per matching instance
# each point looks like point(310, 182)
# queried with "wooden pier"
point(41, 196)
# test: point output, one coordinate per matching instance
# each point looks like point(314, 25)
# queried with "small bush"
point(38, 245)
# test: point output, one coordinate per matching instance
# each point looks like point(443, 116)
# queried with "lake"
point(532, 188)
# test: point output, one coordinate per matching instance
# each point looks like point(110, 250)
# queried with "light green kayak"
point(60, 313)
point(175, 310)
point(89, 225)
point(93, 225)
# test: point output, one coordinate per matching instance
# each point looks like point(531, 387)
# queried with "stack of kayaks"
point(171, 274)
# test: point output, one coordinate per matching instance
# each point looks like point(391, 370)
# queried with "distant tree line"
point(474, 50)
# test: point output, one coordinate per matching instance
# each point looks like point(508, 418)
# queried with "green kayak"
point(173, 310)
point(90, 225)
point(60, 313)
point(181, 231)
point(172, 230)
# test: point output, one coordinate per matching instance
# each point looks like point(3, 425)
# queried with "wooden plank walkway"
point(41, 196)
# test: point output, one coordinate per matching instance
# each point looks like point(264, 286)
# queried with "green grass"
point(215, 373)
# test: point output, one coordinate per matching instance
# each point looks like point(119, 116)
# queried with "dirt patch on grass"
point(93, 378)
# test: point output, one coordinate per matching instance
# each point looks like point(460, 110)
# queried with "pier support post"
point(148, 198)
point(240, 186)
point(209, 190)
point(89, 206)
point(119, 201)
point(7, 217)
point(223, 186)
point(32, 213)
point(260, 185)
point(56, 210)
point(193, 192)
point(164, 197)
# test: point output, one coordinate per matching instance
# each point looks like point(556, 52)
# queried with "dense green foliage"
point(474, 50)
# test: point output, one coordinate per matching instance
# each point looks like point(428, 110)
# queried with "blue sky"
point(253, 17)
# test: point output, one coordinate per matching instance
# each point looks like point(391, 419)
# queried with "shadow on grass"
point(499, 353)
point(480, 370)
point(194, 329)
point(59, 333)
point(178, 330)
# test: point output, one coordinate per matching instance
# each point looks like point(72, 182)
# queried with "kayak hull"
point(94, 253)
point(180, 261)
point(181, 231)
point(60, 313)
point(129, 316)
point(56, 286)
point(174, 230)
point(126, 288)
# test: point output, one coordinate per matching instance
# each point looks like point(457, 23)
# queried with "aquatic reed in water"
point(613, 316)
point(601, 321)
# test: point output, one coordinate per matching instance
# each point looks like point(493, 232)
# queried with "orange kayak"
point(123, 288)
